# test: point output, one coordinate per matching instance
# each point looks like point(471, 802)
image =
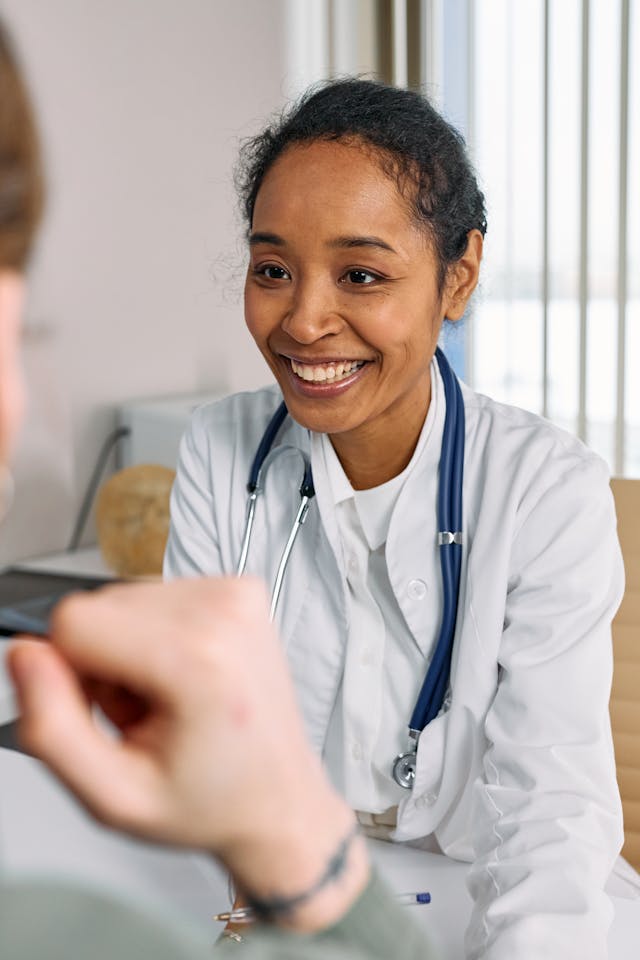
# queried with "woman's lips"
point(328, 371)
point(323, 378)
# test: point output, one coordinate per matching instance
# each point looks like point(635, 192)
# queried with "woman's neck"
point(381, 449)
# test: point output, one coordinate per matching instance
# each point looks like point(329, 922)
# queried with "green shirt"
point(52, 921)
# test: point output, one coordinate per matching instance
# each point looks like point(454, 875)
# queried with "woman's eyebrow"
point(271, 238)
point(348, 242)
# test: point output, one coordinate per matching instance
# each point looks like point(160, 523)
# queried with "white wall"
point(136, 287)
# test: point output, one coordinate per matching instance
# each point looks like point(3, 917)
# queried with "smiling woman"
point(344, 301)
point(365, 229)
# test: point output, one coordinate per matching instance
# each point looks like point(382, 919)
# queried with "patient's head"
point(21, 195)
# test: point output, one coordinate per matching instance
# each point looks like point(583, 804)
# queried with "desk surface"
point(85, 562)
point(66, 842)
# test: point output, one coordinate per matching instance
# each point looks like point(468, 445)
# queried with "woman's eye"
point(272, 272)
point(360, 277)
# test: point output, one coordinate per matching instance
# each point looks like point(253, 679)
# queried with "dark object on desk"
point(9, 737)
point(27, 598)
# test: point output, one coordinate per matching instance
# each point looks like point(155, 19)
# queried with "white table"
point(43, 831)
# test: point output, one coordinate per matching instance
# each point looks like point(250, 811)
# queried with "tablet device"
point(27, 597)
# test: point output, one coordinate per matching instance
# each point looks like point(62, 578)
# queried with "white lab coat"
point(518, 775)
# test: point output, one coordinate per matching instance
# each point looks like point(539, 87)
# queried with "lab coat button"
point(356, 752)
point(430, 799)
point(417, 589)
point(367, 658)
point(353, 564)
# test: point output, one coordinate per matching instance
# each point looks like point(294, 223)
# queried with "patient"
point(195, 764)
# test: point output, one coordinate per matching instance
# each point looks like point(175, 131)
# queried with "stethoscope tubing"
point(434, 687)
point(264, 447)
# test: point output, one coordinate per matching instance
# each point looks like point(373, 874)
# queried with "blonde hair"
point(21, 181)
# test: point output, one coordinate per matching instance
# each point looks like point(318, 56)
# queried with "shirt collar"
point(375, 506)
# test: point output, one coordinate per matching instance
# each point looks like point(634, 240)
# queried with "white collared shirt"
point(384, 666)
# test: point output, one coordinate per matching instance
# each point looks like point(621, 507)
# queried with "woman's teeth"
point(325, 372)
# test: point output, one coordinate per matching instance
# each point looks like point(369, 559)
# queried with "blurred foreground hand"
point(211, 753)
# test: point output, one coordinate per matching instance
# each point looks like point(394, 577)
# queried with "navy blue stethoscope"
point(434, 689)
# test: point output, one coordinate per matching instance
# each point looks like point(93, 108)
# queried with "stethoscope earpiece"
point(265, 456)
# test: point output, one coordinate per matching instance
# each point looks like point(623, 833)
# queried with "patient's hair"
point(21, 184)
point(415, 145)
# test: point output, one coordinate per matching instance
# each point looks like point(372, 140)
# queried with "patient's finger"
point(109, 634)
point(115, 781)
point(136, 635)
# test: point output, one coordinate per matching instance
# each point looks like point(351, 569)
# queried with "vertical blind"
point(556, 111)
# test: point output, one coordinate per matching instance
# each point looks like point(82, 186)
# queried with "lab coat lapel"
point(412, 550)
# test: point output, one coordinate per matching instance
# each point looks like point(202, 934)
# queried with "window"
point(555, 122)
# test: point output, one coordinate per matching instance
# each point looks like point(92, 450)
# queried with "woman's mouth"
point(331, 371)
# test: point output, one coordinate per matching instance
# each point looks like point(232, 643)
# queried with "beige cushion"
point(625, 697)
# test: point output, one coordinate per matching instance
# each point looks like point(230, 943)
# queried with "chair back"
point(625, 695)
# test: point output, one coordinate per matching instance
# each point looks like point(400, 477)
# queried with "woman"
point(365, 230)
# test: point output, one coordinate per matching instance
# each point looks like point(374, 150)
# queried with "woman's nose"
point(313, 313)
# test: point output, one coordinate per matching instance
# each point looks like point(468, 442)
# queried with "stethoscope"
point(431, 698)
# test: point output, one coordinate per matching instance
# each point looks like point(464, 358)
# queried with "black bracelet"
point(276, 907)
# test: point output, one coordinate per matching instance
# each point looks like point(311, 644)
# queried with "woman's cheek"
point(258, 318)
point(251, 312)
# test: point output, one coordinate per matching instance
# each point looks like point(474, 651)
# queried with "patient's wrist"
point(307, 871)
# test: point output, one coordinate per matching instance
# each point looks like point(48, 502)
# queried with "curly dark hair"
point(415, 145)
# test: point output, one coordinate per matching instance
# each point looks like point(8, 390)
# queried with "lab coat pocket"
point(421, 810)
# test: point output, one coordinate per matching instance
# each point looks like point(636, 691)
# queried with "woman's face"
point(342, 293)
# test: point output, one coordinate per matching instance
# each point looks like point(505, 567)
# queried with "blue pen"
point(246, 914)
point(413, 899)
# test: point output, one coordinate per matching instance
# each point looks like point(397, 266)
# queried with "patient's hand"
point(193, 676)
point(211, 751)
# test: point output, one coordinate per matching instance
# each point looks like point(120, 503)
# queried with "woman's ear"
point(462, 277)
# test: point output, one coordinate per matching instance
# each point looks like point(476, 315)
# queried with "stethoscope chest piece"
point(404, 769)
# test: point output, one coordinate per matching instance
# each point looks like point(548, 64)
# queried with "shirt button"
point(356, 752)
point(417, 589)
point(367, 658)
point(429, 799)
point(353, 564)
